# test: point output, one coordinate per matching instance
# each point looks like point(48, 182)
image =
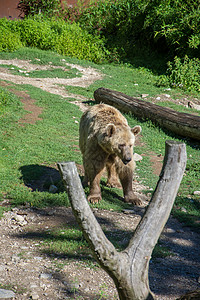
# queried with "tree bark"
point(129, 268)
point(183, 124)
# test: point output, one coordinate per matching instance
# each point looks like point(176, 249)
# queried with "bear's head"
point(119, 140)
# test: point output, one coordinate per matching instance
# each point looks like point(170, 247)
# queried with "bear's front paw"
point(113, 184)
point(133, 199)
point(94, 198)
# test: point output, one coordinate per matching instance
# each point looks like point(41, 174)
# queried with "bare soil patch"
point(38, 275)
point(33, 274)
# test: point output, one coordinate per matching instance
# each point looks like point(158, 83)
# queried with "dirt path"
point(32, 274)
point(50, 85)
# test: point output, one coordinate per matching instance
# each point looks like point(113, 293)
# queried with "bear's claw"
point(93, 199)
point(133, 199)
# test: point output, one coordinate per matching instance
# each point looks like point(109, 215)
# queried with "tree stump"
point(183, 124)
point(129, 268)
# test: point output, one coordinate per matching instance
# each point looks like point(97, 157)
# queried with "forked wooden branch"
point(129, 268)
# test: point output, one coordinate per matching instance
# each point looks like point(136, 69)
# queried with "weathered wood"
point(183, 124)
point(129, 268)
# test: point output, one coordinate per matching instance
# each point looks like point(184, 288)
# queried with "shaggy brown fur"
point(106, 140)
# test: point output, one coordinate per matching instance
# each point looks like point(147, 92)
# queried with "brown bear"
point(106, 141)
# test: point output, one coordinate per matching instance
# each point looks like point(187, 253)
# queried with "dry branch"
point(129, 268)
point(183, 124)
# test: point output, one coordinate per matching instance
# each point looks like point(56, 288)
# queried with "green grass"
point(28, 152)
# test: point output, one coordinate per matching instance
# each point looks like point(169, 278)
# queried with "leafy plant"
point(53, 34)
point(76, 42)
point(184, 73)
point(9, 41)
point(36, 32)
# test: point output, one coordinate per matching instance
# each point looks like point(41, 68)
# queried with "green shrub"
point(162, 25)
point(184, 73)
point(53, 34)
point(178, 22)
point(36, 32)
point(9, 41)
point(76, 42)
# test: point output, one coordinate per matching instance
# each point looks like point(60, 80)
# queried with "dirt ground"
point(35, 275)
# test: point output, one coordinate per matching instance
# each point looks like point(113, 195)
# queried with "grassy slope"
point(25, 152)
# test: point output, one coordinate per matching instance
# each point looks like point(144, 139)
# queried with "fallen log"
point(183, 124)
point(129, 268)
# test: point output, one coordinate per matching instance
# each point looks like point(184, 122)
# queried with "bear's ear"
point(136, 130)
point(110, 129)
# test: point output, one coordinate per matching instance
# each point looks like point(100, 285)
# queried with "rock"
point(196, 193)
point(137, 157)
point(34, 296)
point(19, 219)
point(193, 105)
point(183, 209)
point(15, 258)
point(53, 189)
point(128, 211)
point(45, 276)
point(71, 286)
point(144, 95)
point(6, 294)
point(2, 268)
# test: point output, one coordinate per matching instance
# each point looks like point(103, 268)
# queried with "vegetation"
point(117, 31)
point(29, 151)
point(140, 47)
point(52, 34)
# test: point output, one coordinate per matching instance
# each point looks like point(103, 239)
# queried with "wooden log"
point(183, 124)
point(129, 268)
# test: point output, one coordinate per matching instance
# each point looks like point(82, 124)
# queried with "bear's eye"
point(121, 146)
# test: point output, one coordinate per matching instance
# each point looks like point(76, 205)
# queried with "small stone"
point(2, 268)
point(196, 193)
point(53, 189)
point(38, 257)
point(15, 258)
point(71, 286)
point(167, 95)
point(144, 95)
point(137, 157)
point(18, 218)
point(183, 209)
point(6, 294)
point(128, 211)
point(45, 276)
point(34, 296)
point(158, 98)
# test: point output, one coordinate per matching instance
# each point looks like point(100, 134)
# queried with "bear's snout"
point(126, 160)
